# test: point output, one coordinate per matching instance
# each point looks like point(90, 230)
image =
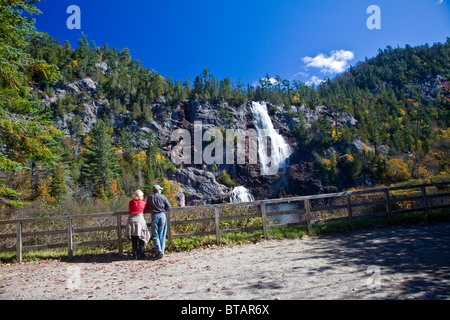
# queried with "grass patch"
point(58, 254)
point(287, 233)
point(187, 244)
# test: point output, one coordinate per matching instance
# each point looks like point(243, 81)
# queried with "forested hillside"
point(75, 123)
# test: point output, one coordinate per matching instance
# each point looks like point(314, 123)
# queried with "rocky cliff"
point(199, 182)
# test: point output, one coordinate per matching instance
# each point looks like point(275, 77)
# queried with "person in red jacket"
point(137, 226)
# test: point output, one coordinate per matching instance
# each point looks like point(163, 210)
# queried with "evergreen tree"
point(26, 133)
point(58, 184)
point(325, 137)
point(299, 130)
point(149, 177)
point(101, 168)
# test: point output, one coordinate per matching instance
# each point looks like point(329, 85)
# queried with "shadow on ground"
point(415, 260)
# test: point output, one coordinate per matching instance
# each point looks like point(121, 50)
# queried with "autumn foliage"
point(397, 171)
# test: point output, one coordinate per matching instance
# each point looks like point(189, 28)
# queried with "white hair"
point(138, 195)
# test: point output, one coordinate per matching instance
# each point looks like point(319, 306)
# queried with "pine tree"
point(58, 184)
point(325, 132)
point(26, 133)
point(149, 177)
point(100, 163)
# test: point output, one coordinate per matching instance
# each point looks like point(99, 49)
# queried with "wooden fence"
point(214, 219)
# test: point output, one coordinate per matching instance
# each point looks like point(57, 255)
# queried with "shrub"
point(397, 171)
point(225, 179)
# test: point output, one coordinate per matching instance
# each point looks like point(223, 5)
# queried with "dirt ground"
point(411, 262)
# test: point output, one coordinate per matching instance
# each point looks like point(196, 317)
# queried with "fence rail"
point(275, 213)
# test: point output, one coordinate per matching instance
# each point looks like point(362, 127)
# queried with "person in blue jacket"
point(157, 205)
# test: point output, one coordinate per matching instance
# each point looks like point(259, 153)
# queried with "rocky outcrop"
point(342, 118)
point(102, 66)
point(199, 186)
point(427, 87)
point(84, 85)
point(198, 183)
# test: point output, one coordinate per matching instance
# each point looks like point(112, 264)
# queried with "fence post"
point(119, 233)
point(19, 242)
point(217, 221)
point(425, 202)
point(387, 199)
point(169, 230)
point(264, 219)
point(350, 212)
point(308, 216)
point(69, 238)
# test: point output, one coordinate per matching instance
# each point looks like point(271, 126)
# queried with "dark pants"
point(138, 247)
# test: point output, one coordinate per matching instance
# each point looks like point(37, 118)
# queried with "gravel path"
point(411, 262)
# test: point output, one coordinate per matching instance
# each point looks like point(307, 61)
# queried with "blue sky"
point(297, 40)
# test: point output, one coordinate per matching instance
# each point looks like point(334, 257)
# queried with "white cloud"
point(439, 1)
point(273, 81)
point(314, 80)
point(337, 62)
point(301, 74)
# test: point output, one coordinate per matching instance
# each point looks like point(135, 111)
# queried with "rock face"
point(198, 186)
point(83, 85)
point(199, 183)
point(343, 118)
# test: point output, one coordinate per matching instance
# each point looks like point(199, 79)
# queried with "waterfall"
point(241, 194)
point(280, 150)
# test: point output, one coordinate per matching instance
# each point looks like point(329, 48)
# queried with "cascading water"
point(241, 194)
point(280, 150)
